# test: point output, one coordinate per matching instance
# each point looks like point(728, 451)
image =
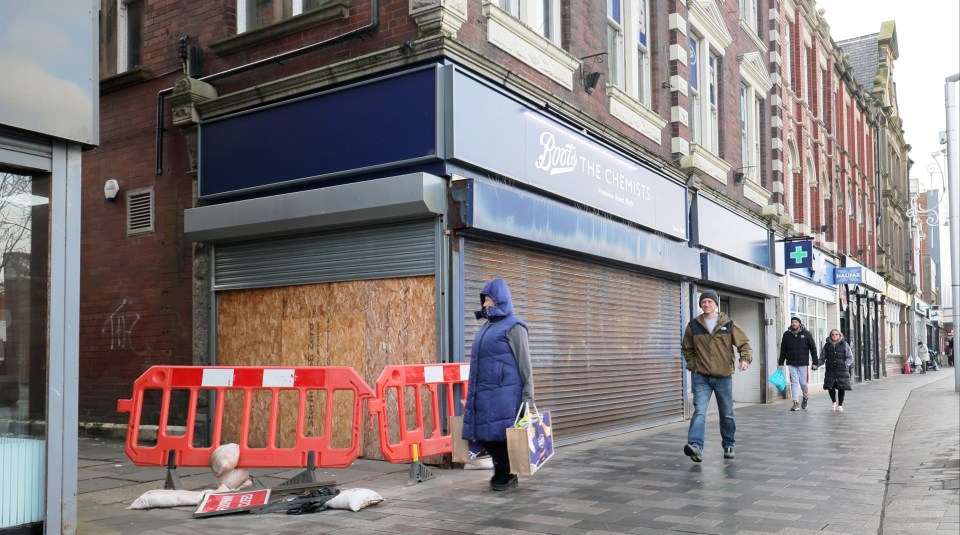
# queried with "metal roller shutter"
point(399, 250)
point(605, 342)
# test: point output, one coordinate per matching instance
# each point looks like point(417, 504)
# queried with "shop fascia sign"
point(563, 163)
point(868, 278)
point(848, 275)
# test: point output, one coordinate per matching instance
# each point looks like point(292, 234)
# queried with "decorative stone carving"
point(438, 16)
point(187, 93)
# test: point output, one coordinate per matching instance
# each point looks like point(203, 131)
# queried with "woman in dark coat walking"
point(500, 380)
point(837, 357)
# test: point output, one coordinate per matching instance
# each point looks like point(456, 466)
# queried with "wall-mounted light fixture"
point(589, 80)
point(740, 174)
point(110, 190)
point(823, 228)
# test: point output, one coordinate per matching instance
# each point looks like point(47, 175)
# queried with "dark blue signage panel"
point(798, 254)
point(847, 275)
point(386, 121)
point(726, 232)
point(498, 133)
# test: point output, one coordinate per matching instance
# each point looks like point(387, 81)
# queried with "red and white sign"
point(232, 502)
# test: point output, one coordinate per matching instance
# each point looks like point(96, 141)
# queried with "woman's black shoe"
point(510, 482)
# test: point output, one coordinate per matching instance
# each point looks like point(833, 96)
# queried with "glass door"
point(24, 352)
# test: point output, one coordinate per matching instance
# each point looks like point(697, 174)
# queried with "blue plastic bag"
point(778, 380)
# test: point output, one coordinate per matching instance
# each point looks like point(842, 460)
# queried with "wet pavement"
point(889, 464)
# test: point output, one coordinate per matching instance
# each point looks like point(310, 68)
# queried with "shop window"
point(140, 209)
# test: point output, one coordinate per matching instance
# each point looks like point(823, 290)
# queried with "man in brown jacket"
point(707, 346)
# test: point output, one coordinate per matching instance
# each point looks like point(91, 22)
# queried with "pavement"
point(889, 464)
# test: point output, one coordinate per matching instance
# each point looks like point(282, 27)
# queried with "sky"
point(928, 35)
point(48, 47)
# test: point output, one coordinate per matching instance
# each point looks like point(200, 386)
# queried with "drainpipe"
point(369, 28)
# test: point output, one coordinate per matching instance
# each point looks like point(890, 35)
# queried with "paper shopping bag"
point(460, 447)
point(530, 447)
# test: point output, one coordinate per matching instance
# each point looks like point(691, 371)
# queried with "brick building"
point(310, 182)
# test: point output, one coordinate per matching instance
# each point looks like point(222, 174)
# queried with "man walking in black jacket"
point(797, 350)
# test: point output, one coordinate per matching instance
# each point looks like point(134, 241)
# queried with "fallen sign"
point(232, 502)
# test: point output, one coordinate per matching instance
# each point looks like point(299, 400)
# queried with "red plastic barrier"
point(248, 379)
point(413, 442)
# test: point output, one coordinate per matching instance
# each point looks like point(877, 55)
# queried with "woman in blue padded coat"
point(501, 379)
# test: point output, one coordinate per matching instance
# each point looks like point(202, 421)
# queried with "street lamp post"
point(953, 191)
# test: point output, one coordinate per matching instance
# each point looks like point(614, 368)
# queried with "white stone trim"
point(678, 83)
point(678, 53)
point(679, 114)
point(748, 31)
point(706, 15)
point(636, 115)
point(754, 72)
point(753, 191)
point(706, 163)
point(520, 41)
point(445, 16)
point(676, 22)
point(679, 145)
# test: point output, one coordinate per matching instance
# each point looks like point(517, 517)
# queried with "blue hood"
point(498, 290)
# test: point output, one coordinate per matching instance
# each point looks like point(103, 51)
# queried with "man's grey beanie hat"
point(709, 294)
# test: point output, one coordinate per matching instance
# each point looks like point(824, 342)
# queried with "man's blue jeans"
point(703, 387)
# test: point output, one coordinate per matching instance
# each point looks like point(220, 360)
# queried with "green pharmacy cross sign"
point(798, 254)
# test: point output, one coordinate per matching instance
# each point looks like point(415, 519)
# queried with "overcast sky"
point(928, 35)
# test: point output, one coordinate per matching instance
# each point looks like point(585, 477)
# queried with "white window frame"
point(123, 35)
point(243, 24)
point(704, 118)
point(811, 176)
point(629, 57)
point(748, 13)
point(750, 131)
point(707, 27)
point(694, 44)
point(641, 19)
point(787, 59)
point(542, 16)
point(616, 47)
point(805, 75)
point(792, 159)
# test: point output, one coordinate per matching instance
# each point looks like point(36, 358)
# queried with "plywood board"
point(366, 325)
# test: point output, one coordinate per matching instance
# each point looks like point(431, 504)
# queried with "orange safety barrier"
point(181, 450)
point(413, 442)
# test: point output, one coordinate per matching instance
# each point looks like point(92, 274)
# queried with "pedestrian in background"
point(923, 356)
point(836, 357)
point(501, 379)
point(797, 350)
point(707, 346)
